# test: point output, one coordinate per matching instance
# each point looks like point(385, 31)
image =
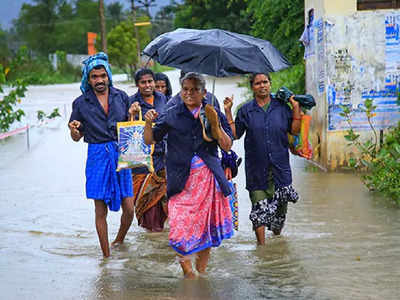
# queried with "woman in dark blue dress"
point(266, 122)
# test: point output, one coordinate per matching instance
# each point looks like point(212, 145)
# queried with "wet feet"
point(190, 275)
point(116, 244)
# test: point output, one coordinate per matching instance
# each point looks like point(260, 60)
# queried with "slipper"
point(207, 136)
point(213, 119)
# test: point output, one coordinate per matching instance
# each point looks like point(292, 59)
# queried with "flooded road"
point(339, 242)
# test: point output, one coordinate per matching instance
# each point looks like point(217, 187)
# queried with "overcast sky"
point(9, 9)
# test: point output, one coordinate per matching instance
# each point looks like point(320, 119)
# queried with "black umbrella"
point(215, 52)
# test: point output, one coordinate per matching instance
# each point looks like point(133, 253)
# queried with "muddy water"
point(340, 242)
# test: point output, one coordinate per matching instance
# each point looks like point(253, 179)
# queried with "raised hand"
point(134, 109)
point(228, 103)
point(151, 115)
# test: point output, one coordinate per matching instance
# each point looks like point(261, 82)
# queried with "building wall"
point(352, 56)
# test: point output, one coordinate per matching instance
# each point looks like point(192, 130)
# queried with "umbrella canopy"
point(215, 52)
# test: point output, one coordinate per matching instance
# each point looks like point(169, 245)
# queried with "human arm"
point(75, 122)
point(296, 116)
point(149, 117)
point(225, 138)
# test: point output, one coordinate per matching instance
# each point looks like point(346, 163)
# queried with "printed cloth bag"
point(132, 150)
point(300, 145)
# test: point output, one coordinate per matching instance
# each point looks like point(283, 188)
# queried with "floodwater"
point(339, 242)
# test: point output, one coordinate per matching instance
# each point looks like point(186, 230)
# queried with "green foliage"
point(381, 164)
point(164, 20)
point(281, 22)
point(121, 47)
point(206, 14)
point(160, 68)
point(8, 113)
point(40, 71)
point(122, 44)
point(49, 25)
point(4, 51)
point(41, 115)
point(293, 78)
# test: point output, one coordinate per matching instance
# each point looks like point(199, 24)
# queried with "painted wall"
point(349, 58)
point(340, 7)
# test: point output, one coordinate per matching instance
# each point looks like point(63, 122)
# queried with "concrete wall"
point(352, 56)
point(74, 59)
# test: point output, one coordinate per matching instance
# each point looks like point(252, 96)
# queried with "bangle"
point(231, 122)
point(296, 118)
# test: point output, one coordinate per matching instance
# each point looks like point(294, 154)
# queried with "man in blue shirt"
point(266, 122)
point(94, 117)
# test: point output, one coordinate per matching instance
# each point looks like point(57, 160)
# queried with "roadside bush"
point(379, 164)
point(40, 71)
point(8, 112)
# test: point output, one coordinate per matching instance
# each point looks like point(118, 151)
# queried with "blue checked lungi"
point(103, 182)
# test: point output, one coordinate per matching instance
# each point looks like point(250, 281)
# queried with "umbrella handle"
point(147, 63)
point(213, 95)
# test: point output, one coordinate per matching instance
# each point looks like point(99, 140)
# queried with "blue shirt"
point(177, 99)
point(159, 148)
point(266, 143)
point(96, 125)
point(185, 140)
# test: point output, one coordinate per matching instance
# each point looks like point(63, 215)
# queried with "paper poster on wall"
point(387, 111)
point(392, 44)
point(384, 92)
point(319, 25)
point(307, 38)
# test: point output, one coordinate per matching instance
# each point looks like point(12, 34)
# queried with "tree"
point(147, 4)
point(102, 26)
point(164, 20)
point(122, 45)
point(281, 22)
point(4, 51)
point(50, 25)
point(206, 14)
point(115, 14)
point(36, 25)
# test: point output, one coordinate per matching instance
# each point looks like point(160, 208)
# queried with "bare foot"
point(190, 275)
point(116, 244)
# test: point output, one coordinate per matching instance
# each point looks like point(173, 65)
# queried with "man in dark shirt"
point(94, 117)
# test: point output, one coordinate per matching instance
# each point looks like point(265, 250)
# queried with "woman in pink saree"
point(198, 207)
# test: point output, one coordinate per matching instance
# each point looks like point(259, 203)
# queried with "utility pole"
point(147, 4)
point(102, 27)
point(136, 30)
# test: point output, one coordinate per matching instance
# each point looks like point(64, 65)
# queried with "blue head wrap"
point(99, 59)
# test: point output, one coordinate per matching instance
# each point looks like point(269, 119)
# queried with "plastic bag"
point(299, 145)
point(132, 150)
point(305, 101)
